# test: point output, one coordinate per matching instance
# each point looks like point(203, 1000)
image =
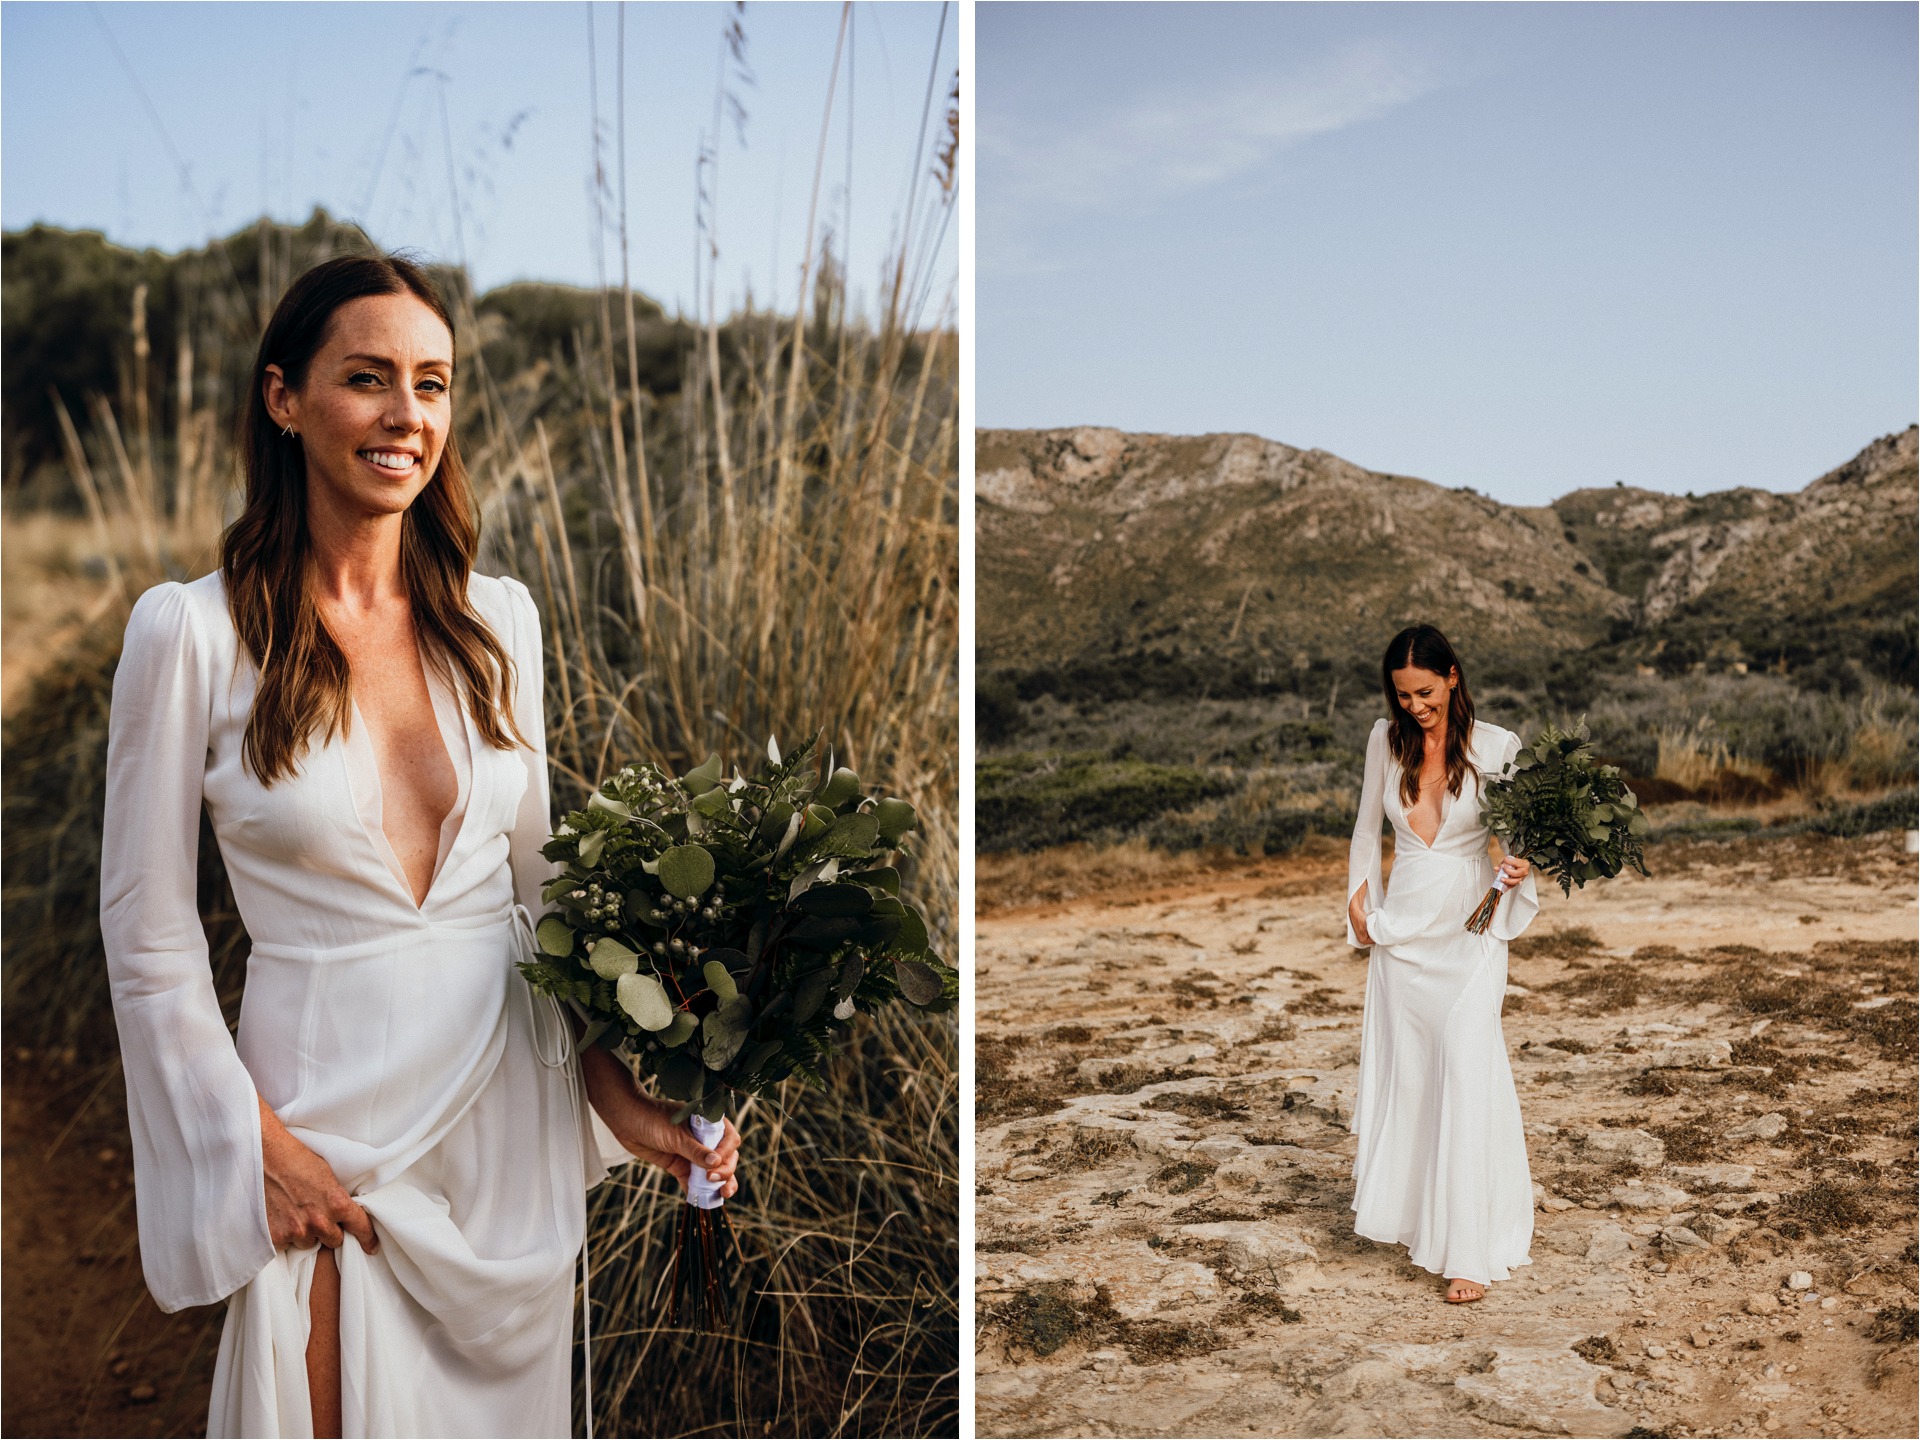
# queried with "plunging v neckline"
point(463, 792)
point(1446, 810)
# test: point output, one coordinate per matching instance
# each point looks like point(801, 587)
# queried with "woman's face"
point(375, 409)
point(1425, 695)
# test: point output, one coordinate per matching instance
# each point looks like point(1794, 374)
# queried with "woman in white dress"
point(384, 1170)
point(1441, 1165)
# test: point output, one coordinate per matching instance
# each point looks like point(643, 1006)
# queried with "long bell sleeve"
point(533, 823)
point(533, 827)
point(191, 1105)
point(1363, 857)
point(1518, 906)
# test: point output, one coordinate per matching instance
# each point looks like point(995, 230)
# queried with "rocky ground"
point(1716, 1067)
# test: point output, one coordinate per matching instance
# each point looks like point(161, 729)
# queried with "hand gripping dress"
point(1442, 1161)
point(395, 1040)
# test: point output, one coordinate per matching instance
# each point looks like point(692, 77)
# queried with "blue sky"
point(1522, 247)
point(282, 106)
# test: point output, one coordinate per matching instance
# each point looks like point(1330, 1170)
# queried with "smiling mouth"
point(390, 459)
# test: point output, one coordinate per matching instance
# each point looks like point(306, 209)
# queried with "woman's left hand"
point(1514, 869)
point(645, 1125)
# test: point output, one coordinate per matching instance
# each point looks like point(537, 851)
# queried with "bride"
point(384, 1170)
point(1441, 1165)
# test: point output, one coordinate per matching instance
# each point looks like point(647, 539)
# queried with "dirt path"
point(1716, 1068)
point(87, 1350)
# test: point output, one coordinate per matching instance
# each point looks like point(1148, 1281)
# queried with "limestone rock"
point(1692, 1055)
point(1763, 1305)
point(1768, 1127)
point(1607, 1244)
point(1303, 1277)
point(1714, 1177)
point(1636, 1147)
point(1677, 1239)
point(1799, 1280)
point(1253, 1245)
point(1543, 1390)
point(1718, 1229)
point(1647, 1197)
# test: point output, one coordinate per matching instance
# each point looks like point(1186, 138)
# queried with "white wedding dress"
point(1442, 1161)
point(394, 1039)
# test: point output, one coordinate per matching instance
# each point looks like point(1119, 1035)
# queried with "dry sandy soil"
point(1716, 1068)
point(87, 1350)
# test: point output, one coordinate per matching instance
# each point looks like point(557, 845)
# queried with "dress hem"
point(1495, 1274)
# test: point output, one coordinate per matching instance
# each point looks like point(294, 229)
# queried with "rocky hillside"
point(1096, 546)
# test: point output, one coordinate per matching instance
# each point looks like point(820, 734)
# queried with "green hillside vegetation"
point(1210, 602)
point(70, 327)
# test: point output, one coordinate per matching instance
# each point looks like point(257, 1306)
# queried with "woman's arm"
point(645, 1125)
point(1363, 856)
point(199, 1177)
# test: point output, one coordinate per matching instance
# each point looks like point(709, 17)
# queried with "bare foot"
point(1465, 1292)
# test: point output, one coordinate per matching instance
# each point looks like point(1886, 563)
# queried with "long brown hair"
point(1424, 647)
point(266, 555)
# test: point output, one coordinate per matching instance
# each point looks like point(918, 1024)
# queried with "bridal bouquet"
point(724, 934)
point(1569, 816)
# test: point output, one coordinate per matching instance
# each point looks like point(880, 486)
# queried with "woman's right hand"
point(306, 1203)
point(1357, 916)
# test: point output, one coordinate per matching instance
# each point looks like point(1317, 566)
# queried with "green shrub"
point(1029, 802)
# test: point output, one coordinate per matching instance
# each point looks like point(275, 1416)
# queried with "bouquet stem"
point(705, 1237)
point(1482, 915)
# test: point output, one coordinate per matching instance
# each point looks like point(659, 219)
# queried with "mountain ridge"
point(1097, 544)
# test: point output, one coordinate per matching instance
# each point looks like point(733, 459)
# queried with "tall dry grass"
point(771, 551)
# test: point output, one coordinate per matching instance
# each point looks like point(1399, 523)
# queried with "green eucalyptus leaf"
point(836, 899)
point(816, 818)
point(759, 1055)
point(681, 1076)
point(714, 1107)
point(645, 999)
point(808, 993)
point(592, 1033)
point(609, 959)
point(773, 824)
point(715, 803)
point(911, 937)
point(724, 1031)
point(591, 844)
point(686, 871)
point(850, 835)
point(896, 818)
point(597, 801)
point(842, 787)
point(917, 981)
point(685, 1022)
point(821, 872)
point(820, 931)
point(851, 969)
point(703, 777)
point(883, 877)
point(555, 936)
point(719, 981)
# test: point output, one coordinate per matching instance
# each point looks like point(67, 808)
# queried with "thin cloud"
point(1158, 148)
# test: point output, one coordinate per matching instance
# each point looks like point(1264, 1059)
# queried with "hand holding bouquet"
point(723, 934)
point(1569, 816)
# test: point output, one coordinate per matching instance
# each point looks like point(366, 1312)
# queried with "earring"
point(288, 432)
